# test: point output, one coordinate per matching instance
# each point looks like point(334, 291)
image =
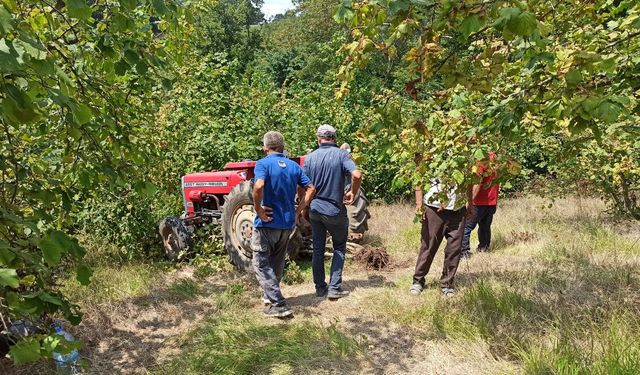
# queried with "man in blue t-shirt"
point(328, 167)
point(276, 183)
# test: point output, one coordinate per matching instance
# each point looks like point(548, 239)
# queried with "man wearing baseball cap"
point(328, 167)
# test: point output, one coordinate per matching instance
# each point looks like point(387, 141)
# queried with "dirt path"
point(388, 348)
point(137, 335)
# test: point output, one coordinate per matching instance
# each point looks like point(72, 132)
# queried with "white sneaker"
point(415, 289)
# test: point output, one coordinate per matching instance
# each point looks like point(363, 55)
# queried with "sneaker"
point(321, 292)
point(482, 250)
point(265, 300)
point(278, 311)
point(465, 254)
point(336, 294)
point(415, 289)
point(448, 292)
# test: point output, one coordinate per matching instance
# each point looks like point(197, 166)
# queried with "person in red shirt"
point(485, 199)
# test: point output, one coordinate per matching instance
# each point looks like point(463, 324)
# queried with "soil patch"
point(373, 257)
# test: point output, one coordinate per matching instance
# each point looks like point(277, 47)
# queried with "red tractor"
point(225, 198)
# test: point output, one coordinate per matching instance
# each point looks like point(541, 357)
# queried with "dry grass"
point(575, 268)
point(557, 294)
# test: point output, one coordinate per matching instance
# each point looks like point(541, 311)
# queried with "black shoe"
point(465, 254)
point(321, 292)
point(336, 294)
point(278, 311)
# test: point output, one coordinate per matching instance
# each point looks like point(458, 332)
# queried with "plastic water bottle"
point(67, 364)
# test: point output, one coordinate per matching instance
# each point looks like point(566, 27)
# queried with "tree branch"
point(615, 43)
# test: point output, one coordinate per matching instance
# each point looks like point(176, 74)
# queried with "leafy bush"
point(76, 95)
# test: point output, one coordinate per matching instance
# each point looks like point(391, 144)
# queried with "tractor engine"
point(203, 194)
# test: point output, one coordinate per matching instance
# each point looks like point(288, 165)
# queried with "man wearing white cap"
point(328, 167)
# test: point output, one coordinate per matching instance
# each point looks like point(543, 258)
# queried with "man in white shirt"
point(443, 216)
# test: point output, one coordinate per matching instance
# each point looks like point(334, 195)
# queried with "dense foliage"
point(105, 105)
point(77, 90)
point(480, 75)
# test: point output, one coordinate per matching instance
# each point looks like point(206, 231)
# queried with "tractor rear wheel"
point(176, 239)
point(237, 225)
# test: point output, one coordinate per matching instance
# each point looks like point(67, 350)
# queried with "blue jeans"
point(338, 228)
point(483, 219)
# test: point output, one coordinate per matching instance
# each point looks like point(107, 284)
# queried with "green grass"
point(239, 341)
point(609, 347)
point(185, 289)
point(112, 283)
point(246, 345)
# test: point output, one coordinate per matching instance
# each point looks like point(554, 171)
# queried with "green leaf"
point(6, 255)
point(608, 111)
point(43, 67)
point(396, 6)
point(573, 77)
point(160, 7)
point(25, 351)
point(458, 176)
point(470, 25)
point(146, 188)
point(121, 67)
point(9, 277)
point(10, 60)
point(83, 274)
point(480, 154)
point(78, 9)
point(343, 12)
point(31, 47)
point(131, 56)
point(518, 22)
point(81, 113)
point(129, 4)
point(6, 22)
point(46, 297)
point(56, 243)
point(18, 106)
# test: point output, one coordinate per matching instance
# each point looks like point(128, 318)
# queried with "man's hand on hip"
point(265, 213)
point(349, 198)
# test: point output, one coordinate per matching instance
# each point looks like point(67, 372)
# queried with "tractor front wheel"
point(176, 239)
point(237, 225)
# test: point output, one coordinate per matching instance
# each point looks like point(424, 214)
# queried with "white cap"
point(326, 131)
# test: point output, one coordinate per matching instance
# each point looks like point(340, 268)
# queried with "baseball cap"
point(326, 131)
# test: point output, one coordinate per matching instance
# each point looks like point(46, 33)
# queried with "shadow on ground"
point(138, 334)
point(305, 305)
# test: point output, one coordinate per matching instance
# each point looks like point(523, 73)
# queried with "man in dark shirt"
point(327, 167)
point(276, 182)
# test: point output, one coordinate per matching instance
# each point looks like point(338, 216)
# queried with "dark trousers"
point(338, 228)
point(447, 224)
point(483, 219)
point(269, 251)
